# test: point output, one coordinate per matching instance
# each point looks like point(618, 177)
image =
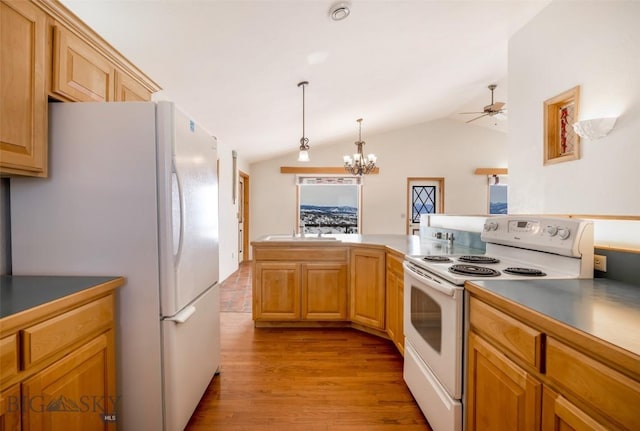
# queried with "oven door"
point(433, 325)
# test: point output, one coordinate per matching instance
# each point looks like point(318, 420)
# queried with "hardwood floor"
point(305, 379)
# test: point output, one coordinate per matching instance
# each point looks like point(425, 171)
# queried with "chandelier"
point(358, 164)
point(303, 155)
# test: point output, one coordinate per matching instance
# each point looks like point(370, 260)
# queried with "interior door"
point(241, 232)
point(424, 196)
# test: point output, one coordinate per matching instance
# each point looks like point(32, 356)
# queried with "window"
point(498, 195)
point(329, 204)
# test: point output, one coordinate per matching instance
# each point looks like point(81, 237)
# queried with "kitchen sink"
point(297, 238)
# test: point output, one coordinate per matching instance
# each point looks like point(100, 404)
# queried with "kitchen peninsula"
point(337, 280)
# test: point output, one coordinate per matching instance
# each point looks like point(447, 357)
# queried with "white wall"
point(228, 232)
point(595, 45)
point(442, 148)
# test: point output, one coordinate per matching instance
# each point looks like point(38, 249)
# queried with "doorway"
point(243, 217)
point(424, 196)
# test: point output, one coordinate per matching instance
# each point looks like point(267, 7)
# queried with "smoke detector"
point(339, 11)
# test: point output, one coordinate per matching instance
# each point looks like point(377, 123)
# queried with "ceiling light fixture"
point(303, 156)
point(359, 165)
point(339, 11)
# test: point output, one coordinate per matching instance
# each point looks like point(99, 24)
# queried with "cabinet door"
point(558, 414)
point(324, 291)
point(500, 395)
point(10, 409)
point(368, 287)
point(23, 97)
point(129, 90)
point(395, 301)
point(276, 294)
point(80, 73)
point(76, 392)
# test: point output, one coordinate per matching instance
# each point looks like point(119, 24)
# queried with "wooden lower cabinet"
point(66, 377)
point(288, 290)
point(276, 291)
point(559, 414)
point(10, 409)
point(395, 300)
point(526, 371)
point(324, 291)
point(500, 394)
point(75, 393)
point(367, 287)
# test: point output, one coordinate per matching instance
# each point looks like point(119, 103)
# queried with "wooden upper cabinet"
point(23, 97)
point(80, 73)
point(130, 90)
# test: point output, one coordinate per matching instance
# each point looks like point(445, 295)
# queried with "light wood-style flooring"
point(304, 380)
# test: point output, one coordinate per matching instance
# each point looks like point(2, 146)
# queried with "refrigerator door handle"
point(176, 178)
point(183, 315)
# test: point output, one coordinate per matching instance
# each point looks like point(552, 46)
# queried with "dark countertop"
point(604, 308)
point(20, 293)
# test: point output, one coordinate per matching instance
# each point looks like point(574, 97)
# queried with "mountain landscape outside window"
point(329, 205)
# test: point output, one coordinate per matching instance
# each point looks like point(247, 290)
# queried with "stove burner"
point(524, 271)
point(475, 270)
point(478, 259)
point(436, 259)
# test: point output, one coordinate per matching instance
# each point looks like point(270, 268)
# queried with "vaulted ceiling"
point(234, 65)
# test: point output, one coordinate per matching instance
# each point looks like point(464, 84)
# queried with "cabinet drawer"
point(301, 254)
point(8, 357)
point(518, 338)
point(57, 333)
point(607, 391)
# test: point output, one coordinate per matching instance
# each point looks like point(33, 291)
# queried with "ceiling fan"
point(491, 110)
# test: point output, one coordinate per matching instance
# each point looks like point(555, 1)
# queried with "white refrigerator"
point(133, 191)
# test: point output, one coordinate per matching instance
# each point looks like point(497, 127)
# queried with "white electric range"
point(517, 247)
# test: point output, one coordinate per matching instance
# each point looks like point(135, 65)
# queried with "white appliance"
point(518, 247)
point(133, 191)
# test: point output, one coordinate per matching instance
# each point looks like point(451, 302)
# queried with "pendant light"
point(303, 156)
point(359, 165)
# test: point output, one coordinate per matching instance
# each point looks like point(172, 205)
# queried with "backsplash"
point(621, 266)
point(460, 237)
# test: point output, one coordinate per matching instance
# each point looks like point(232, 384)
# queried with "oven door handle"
point(431, 282)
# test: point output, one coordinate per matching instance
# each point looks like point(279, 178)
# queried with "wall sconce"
point(595, 128)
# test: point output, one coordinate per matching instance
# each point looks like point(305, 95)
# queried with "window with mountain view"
point(329, 204)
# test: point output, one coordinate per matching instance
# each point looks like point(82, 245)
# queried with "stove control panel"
point(554, 235)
